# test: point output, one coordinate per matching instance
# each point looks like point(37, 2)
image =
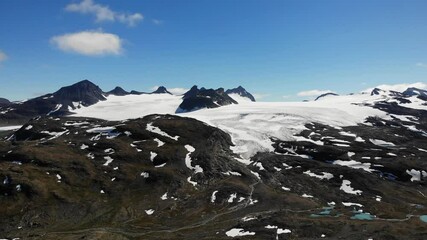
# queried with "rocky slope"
point(267, 171)
point(168, 177)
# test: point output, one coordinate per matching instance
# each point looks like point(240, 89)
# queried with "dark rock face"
point(325, 95)
point(160, 90)
point(118, 91)
point(196, 99)
point(134, 92)
point(242, 92)
point(4, 102)
point(420, 93)
point(376, 91)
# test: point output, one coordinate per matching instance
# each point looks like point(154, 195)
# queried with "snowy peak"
point(240, 91)
point(325, 95)
point(161, 90)
point(118, 91)
point(196, 98)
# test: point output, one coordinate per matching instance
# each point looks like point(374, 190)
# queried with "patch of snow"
point(109, 151)
point(238, 232)
point(281, 231)
point(348, 134)
point(161, 165)
point(190, 150)
point(345, 186)
point(381, 143)
point(232, 197)
point(228, 173)
point(159, 142)
point(349, 204)
point(149, 211)
point(248, 218)
point(238, 98)
point(157, 130)
point(213, 197)
point(306, 196)
point(192, 182)
point(259, 165)
point(54, 134)
point(164, 196)
point(325, 175)
point(355, 164)
point(57, 107)
point(152, 155)
point(108, 160)
point(417, 174)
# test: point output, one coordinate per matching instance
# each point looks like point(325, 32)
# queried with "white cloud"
point(131, 19)
point(420, 64)
point(89, 43)
point(157, 21)
point(3, 56)
point(312, 93)
point(178, 91)
point(258, 96)
point(399, 87)
point(104, 13)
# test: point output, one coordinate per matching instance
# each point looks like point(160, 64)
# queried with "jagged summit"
point(118, 91)
point(160, 90)
point(192, 92)
point(241, 92)
point(196, 98)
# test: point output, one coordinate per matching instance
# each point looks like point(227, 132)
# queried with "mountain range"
point(85, 93)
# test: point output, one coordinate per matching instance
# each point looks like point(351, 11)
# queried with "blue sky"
point(273, 48)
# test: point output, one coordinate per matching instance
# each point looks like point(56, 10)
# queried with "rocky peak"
point(241, 92)
point(84, 91)
point(118, 91)
point(161, 89)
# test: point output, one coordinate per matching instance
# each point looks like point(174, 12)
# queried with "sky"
point(279, 50)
